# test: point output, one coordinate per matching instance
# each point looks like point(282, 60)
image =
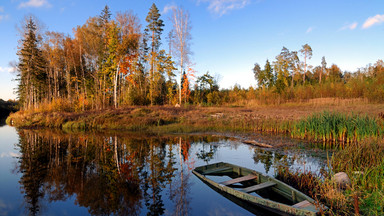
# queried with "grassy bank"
point(336, 126)
point(154, 119)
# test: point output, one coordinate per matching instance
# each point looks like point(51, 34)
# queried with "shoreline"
point(188, 119)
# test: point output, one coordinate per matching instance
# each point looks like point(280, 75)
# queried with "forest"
point(113, 62)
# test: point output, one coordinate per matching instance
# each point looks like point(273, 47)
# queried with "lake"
point(51, 172)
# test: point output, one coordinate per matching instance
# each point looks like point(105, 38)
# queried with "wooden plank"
point(253, 142)
point(302, 204)
point(259, 187)
point(240, 179)
point(219, 169)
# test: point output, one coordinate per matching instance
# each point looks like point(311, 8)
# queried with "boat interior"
point(254, 183)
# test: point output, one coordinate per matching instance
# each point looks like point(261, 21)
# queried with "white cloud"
point(373, 20)
point(3, 16)
point(221, 7)
point(349, 26)
point(9, 154)
point(35, 3)
point(7, 69)
point(168, 8)
point(310, 29)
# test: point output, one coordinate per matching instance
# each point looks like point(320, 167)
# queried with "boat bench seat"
point(259, 187)
point(216, 170)
point(240, 179)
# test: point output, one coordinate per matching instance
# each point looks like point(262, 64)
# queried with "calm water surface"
point(55, 173)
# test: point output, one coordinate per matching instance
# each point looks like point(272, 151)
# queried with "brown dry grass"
point(251, 117)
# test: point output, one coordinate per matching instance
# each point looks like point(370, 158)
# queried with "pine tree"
point(306, 51)
point(153, 33)
point(31, 66)
point(104, 20)
point(268, 71)
point(323, 67)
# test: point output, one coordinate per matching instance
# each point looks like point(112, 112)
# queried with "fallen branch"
point(252, 142)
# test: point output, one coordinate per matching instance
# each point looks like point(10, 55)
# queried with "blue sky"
point(228, 36)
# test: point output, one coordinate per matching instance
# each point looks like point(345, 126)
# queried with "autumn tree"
point(182, 39)
point(127, 53)
point(335, 73)
point(185, 90)
point(72, 68)
point(91, 45)
point(53, 50)
point(185, 83)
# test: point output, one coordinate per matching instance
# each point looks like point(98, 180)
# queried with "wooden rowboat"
point(257, 189)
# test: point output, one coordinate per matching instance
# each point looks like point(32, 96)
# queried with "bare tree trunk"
point(83, 75)
point(116, 156)
point(181, 26)
point(115, 87)
point(55, 82)
point(49, 85)
point(68, 79)
point(103, 91)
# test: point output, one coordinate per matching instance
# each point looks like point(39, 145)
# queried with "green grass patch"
point(331, 127)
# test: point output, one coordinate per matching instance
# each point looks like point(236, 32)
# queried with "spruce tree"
point(31, 66)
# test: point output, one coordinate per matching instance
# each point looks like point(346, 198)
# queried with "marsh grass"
point(337, 128)
point(363, 163)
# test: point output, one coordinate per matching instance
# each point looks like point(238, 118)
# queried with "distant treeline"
point(7, 107)
point(113, 62)
point(290, 79)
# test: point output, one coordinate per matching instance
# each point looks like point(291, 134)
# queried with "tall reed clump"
point(331, 127)
point(364, 164)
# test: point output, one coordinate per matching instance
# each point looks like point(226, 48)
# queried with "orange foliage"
point(185, 91)
point(185, 146)
point(191, 72)
point(128, 168)
point(127, 67)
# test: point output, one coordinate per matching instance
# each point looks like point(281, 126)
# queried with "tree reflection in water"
point(270, 158)
point(108, 174)
point(123, 174)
